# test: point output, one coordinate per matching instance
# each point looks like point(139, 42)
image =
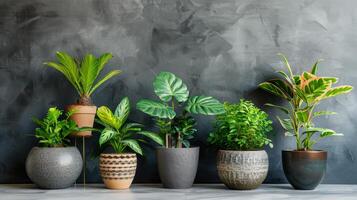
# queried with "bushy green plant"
point(118, 133)
point(174, 95)
point(242, 127)
point(53, 131)
point(83, 74)
point(303, 93)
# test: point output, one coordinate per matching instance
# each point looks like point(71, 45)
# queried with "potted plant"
point(118, 169)
point(241, 134)
point(304, 167)
point(83, 76)
point(177, 161)
point(54, 165)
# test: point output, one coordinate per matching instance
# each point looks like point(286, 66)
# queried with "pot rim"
point(173, 149)
point(308, 151)
point(241, 150)
point(85, 109)
point(105, 154)
point(67, 147)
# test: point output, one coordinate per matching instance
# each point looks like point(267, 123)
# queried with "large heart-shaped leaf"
point(155, 109)
point(106, 116)
point(204, 105)
point(123, 109)
point(106, 135)
point(168, 86)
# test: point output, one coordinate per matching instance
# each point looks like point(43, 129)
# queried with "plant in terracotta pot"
point(54, 165)
point(83, 75)
point(177, 161)
point(118, 169)
point(241, 134)
point(304, 167)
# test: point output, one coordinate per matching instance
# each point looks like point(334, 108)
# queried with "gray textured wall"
point(219, 47)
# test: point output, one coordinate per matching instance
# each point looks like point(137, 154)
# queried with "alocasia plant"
point(303, 93)
point(119, 134)
point(174, 95)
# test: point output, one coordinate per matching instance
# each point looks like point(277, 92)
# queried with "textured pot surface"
point(177, 166)
point(117, 170)
point(84, 117)
point(304, 169)
point(242, 170)
point(54, 168)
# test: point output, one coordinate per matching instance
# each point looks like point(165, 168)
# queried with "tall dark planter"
point(54, 168)
point(304, 169)
point(177, 166)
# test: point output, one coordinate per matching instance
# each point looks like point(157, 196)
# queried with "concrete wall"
point(222, 48)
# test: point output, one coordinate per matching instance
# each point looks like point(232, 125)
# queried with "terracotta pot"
point(242, 170)
point(117, 170)
point(84, 117)
point(304, 169)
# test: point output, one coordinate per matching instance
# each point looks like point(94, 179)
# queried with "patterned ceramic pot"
point(117, 170)
point(54, 168)
point(242, 170)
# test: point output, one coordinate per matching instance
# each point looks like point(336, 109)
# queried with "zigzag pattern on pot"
point(113, 167)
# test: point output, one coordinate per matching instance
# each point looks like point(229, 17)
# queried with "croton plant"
point(303, 93)
point(173, 113)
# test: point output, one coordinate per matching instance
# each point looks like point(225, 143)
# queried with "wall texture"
point(219, 47)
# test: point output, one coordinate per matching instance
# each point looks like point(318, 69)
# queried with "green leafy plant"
point(242, 127)
point(303, 93)
point(83, 74)
point(119, 134)
point(53, 131)
point(174, 95)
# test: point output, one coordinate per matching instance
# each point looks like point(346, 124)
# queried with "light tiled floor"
point(198, 192)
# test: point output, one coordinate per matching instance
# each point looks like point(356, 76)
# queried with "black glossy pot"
point(304, 169)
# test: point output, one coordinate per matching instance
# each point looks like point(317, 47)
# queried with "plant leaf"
point(153, 136)
point(155, 109)
point(320, 113)
point(314, 67)
point(107, 117)
point(88, 72)
point(204, 105)
point(286, 62)
point(286, 124)
point(106, 135)
point(123, 109)
point(134, 145)
point(102, 60)
point(285, 110)
point(103, 80)
point(168, 86)
point(338, 91)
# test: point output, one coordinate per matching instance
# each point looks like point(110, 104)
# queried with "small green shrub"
point(53, 131)
point(242, 127)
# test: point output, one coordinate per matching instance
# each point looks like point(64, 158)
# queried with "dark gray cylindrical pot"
point(304, 169)
point(242, 170)
point(54, 168)
point(177, 166)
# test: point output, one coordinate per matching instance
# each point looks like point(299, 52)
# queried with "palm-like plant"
point(177, 129)
point(83, 75)
point(304, 92)
point(119, 134)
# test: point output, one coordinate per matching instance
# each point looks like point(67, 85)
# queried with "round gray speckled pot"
point(54, 168)
point(177, 166)
point(242, 170)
